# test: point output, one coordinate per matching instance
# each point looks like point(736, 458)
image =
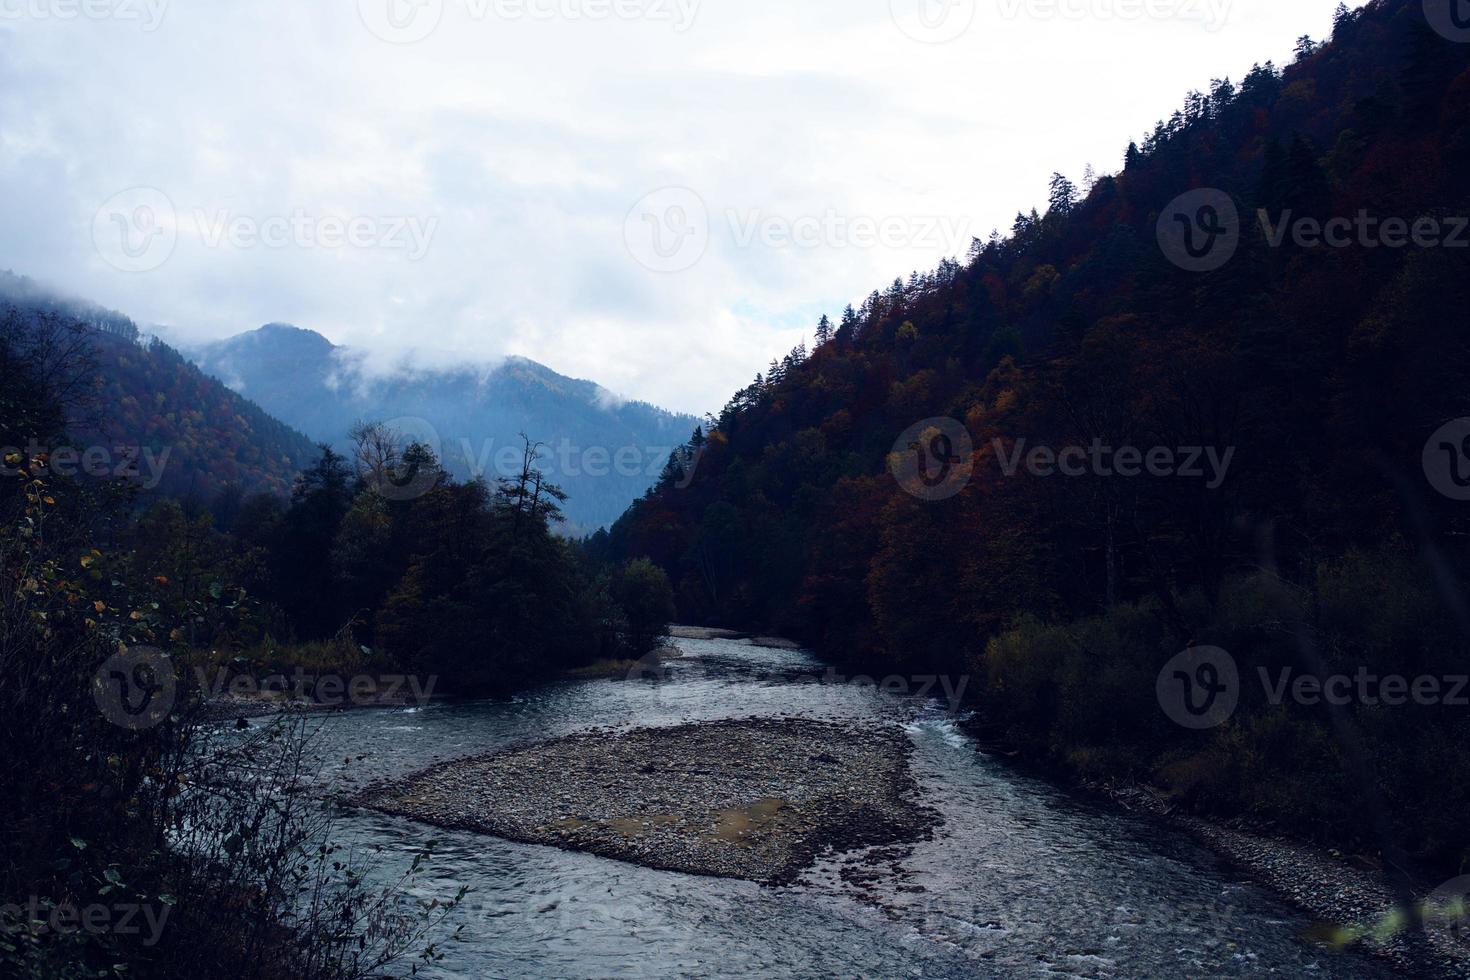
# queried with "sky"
point(657, 195)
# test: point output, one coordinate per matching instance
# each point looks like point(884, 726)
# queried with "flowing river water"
point(1022, 880)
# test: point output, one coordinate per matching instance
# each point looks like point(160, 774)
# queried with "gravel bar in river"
point(758, 799)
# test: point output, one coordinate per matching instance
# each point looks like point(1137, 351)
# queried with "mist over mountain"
point(604, 451)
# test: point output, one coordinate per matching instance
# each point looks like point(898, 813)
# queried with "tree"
point(303, 582)
point(824, 330)
point(643, 591)
point(1063, 195)
point(375, 449)
point(528, 495)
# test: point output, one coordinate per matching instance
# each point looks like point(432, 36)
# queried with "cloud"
point(519, 146)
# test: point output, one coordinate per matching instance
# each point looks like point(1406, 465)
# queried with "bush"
point(220, 837)
point(644, 593)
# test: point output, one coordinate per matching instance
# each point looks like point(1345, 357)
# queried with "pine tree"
point(1063, 195)
point(824, 330)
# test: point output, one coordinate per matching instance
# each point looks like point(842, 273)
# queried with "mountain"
point(187, 434)
point(604, 452)
point(1216, 400)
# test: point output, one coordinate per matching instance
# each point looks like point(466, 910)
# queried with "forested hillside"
point(151, 415)
point(1124, 318)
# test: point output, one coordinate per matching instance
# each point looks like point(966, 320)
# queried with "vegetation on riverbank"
point(1083, 695)
point(147, 840)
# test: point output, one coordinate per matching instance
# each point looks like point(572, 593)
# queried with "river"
point(1022, 880)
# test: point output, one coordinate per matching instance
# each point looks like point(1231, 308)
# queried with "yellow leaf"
point(100, 606)
point(87, 561)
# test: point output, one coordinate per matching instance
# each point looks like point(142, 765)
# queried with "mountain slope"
point(190, 434)
point(605, 453)
point(1326, 531)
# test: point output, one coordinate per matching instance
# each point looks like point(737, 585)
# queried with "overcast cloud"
point(659, 195)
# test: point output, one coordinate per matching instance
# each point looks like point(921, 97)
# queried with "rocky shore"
point(1349, 900)
point(759, 799)
point(1352, 905)
point(705, 633)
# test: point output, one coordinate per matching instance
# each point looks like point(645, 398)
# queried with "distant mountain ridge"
point(605, 452)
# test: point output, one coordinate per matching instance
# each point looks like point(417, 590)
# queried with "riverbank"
point(1350, 905)
point(758, 799)
point(268, 698)
point(646, 665)
point(713, 633)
